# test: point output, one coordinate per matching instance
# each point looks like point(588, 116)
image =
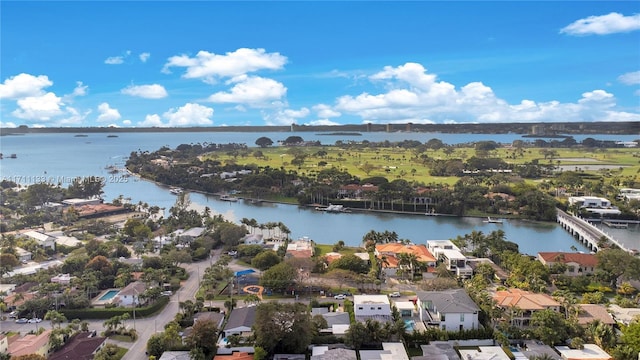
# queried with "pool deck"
point(97, 302)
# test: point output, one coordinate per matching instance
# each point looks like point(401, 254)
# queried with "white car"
point(394, 294)
point(340, 297)
point(34, 320)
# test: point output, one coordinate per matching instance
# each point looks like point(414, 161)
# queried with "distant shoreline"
point(549, 129)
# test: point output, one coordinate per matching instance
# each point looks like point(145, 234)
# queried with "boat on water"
point(176, 190)
point(333, 208)
point(493, 221)
point(230, 198)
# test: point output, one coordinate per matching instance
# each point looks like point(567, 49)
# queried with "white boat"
point(333, 208)
point(176, 190)
point(493, 221)
point(228, 198)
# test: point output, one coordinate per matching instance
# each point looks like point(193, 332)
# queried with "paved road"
point(149, 326)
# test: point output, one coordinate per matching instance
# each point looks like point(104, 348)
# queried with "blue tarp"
point(244, 272)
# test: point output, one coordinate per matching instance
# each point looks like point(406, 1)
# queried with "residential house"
point(44, 240)
point(253, 239)
point(523, 304)
point(81, 346)
point(356, 191)
point(64, 279)
point(236, 355)
point(376, 307)
point(389, 256)
point(187, 236)
point(624, 315)
point(240, 321)
point(4, 344)
point(301, 248)
point(449, 254)
point(130, 294)
point(577, 263)
point(325, 353)
point(30, 344)
point(216, 317)
point(175, 355)
point(450, 310)
point(594, 312)
point(289, 357)
point(594, 204)
point(6, 289)
point(390, 351)
point(337, 322)
point(405, 308)
point(500, 274)
point(23, 255)
point(81, 202)
point(589, 352)
point(484, 353)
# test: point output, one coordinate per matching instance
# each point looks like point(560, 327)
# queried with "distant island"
point(343, 133)
point(533, 129)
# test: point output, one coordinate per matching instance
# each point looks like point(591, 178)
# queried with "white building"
point(450, 310)
point(371, 306)
point(81, 202)
point(594, 204)
point(64, 279)
point(448, 253)
point(589, 352)
point(484, 353)
point(44, 240)
point(131, 293)
point(390, 351)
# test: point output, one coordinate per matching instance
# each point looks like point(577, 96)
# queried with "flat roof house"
point(449, 254)
point(450, 310)
point(375, 307)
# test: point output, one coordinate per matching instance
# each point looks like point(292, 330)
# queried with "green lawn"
point(394, 163)
point(325, 248)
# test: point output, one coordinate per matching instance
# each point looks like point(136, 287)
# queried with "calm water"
point(60, 157)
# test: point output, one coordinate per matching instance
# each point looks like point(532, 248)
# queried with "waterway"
point(59, 158)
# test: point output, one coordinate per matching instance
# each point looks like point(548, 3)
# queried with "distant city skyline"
point(164, 63)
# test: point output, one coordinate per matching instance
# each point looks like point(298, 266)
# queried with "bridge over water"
point(585, 232)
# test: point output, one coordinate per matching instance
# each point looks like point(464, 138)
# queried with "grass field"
point(395, 163)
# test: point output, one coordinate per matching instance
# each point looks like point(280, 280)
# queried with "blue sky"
point(161, 63)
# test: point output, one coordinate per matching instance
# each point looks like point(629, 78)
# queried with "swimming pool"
point(109, 295)
point(409, 325)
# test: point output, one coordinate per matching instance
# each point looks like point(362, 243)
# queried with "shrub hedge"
point(103, 313)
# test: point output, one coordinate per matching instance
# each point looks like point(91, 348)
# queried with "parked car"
point(34, 320)
point(22, 321)
point(395, 294)
point(13, 314)
point(340, 297)
point(167, 293)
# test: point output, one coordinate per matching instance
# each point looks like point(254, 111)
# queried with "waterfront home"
point(523, 304)
point(75, 202)
point(81, 346)
point(30, 344)
point(355, 191)
point(44, 240)
point(588, 352)
point(449, 310)
point(577, 263)
point(593, 204)
point(376, 307)
point(388, 254)
point(92, 211)
point(448, 253)
point(499, 273)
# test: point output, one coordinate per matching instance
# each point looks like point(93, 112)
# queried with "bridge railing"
point(589, 228)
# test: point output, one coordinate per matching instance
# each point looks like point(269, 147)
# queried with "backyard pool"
point(108, 295)
point(409, 325)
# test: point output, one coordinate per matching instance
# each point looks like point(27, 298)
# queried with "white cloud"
point(74, 117)
point(152, 120)
point(414, 96)
point(603, 25)
point(153, 91)
point(190, 115)
point(106, 113)
point(42, 107)
point(252, 90)
point(285, 116)
point(322, 122)
point(80, 89)
point(23, 85)
point(144, 56)
point(7, 125)
point(117, 60)
point(325, 111)
point(210, 66)
point(631, 78)
point(114, 60)
point(126, 122)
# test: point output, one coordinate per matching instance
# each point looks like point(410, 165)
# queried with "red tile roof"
point(524, 300)
point(570, 257)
